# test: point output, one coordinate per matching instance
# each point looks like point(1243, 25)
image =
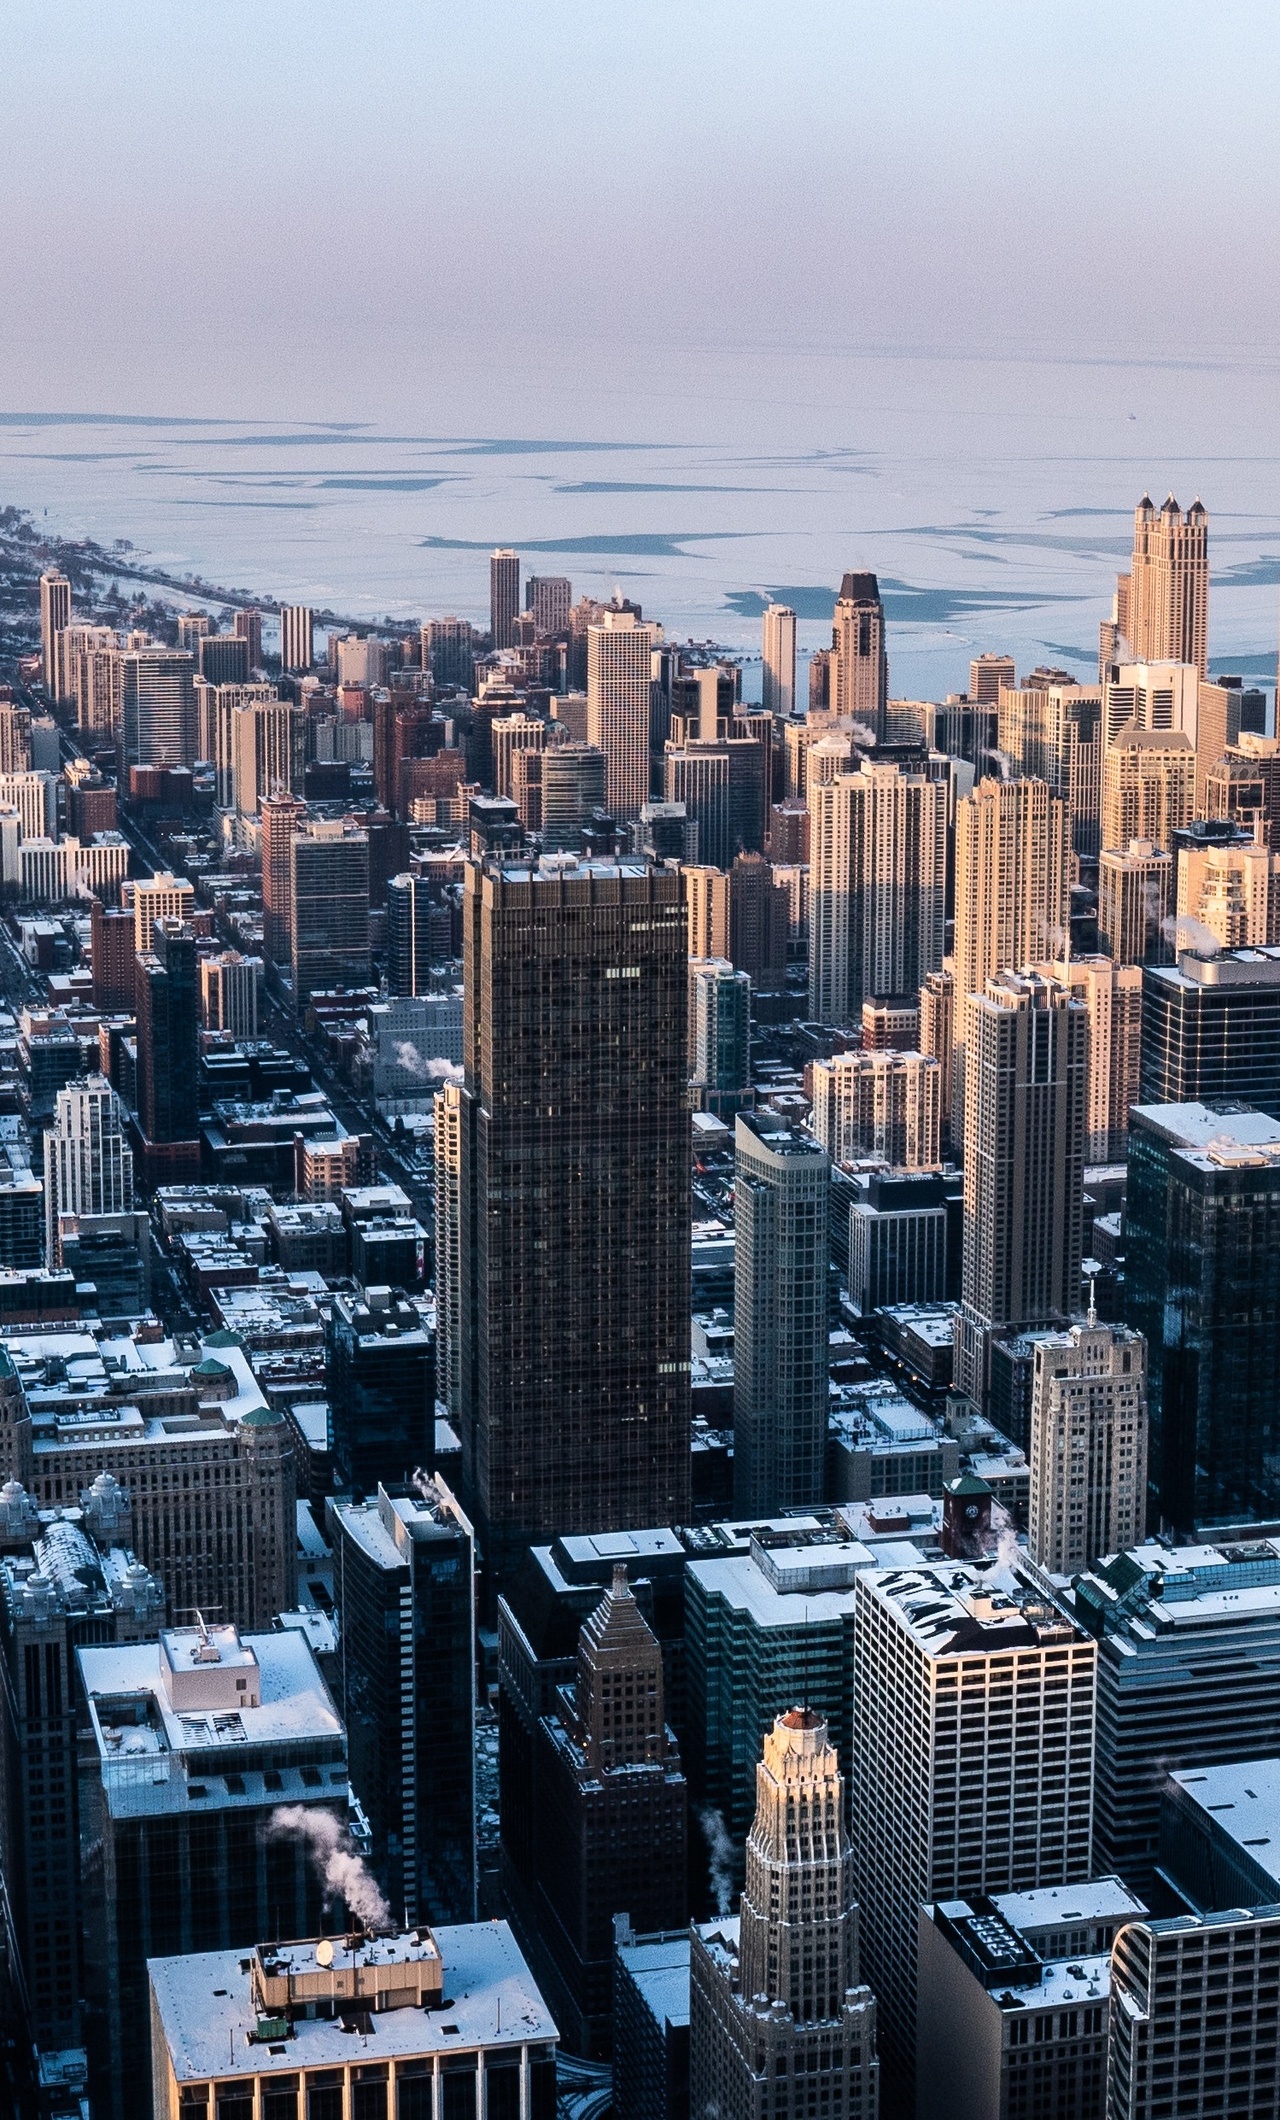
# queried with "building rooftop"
point(1242, 1802)
point(1156, 1591)
point(659, 1966)
point(1010, 1968)
point(1098, 1899)
point(954, 1608)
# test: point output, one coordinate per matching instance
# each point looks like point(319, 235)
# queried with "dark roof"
point(859, 589)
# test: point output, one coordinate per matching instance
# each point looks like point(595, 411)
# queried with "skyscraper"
point(297, 637)
point(1211, 1029)
point(1175, 2048)
point(1026, 1083)
point(988, 672)
point(782, 1180)
point(707, 900)
point(216, 710)
point(548, 597)
point(696, 775)
point(380, 1361)
point(1053, 731)
point(778, 659)
point(329, 907)
point(1112, 995)
point(780, 2022)
point(1168, 602)
point(282, 816)
point(1233, 891)
point(268, 752)
point(168, 1035)
point(877, 887)
point(163, 896)
point(158, 708)
point(619, 688)
point(55, 614)
point(1148, 786)
point(229, 993)
point(1088, 1445)
point(719, 1035)
point(1135, 899)
point(409, 938)
point(248, 626)
point(223, 658)
point(573, 787)
point(859, 662)
point(15, 738)
point(88, 1169)
point(880, 1104)
point(575, 1146)
point(1011, 893)
point(504, 596)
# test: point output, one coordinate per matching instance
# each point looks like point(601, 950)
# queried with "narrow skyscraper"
point(297, 637)
point(88, 1168)
point(619, 685)
point(877, 887)
point(859, 662)
point(55, 613)
point(1168, 602)
point(504, 596)
point(782, 1180)
point(778, 658)
point(1088, 1445)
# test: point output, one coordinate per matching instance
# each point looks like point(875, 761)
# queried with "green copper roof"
point(262, 1417)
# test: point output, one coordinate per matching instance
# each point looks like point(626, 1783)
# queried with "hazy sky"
point(506, 208)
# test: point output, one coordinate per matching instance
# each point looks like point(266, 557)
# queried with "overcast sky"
point(329, 208)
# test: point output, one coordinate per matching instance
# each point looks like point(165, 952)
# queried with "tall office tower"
point(157, 708)
point(1243, 785)
point(548, 597)
point(880, 1104)
point(1088, 1445)
point(1135, 899)
point(112, 952)
point(448, 651)
point(504, 596)
point(216, 710)
point(1168, 614)
point(15, 738)
point(897, 1238)
point(404, 1582)
point(778, 659)
point(719, 1035)
point(988, 675)
point(1026, 1094)
point(1148, 786)
point(1192, 2029)
point(282, 816)
point(575, 1389)
point(410, 954)
point(55, 614)
point(782, 1183)
point(619, 687)
point(759, 923)
point(63, 1582)
point(268, 753)
point(163, 896)
point(573, 788)
point(1211, 1029)
point(380, 1357)
point(954, 1793)
point(706, 894)
point(450, 1118)
point(780, 2022)
point(612, 1813)
point(1054, 732)
point(938, 1037)
point(1011, 894)
point(859, 663)
point(329, 907)
point(88, 1169)
point(297, 637)
point(1203, 1219)
point(167, 994)
point(877, 887)
point(1112, 995)
point(509, 734)
point(248, 626)
point(1233, 891)
point(223, 659)
point(229, 985)
point(197, 1858)
point(696, 775)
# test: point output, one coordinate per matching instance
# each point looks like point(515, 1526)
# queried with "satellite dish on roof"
point(324, 1952)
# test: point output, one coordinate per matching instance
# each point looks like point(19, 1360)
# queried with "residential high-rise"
point(282, 816)
point(248, 626)
point(1135, 899)
point(410, 951)
point(1233, 891)
point(216, 710)
point(223, 658)
point(780, 2022)
point(450, 1119)
point(782, 1180)
point(1244, 785)
point(706, 892)
point(547, 598)
point(1026, 1094)
point(938, 1037)
point(988, 673)
point(1203, 1226)
point(193, 627)
point(1011, 893)
point(879, 1104)
point(404, 1583)
point(55, 614)
point(575, 1146)
point(1053, 731)
point(1192, 2030)
point(955, 1792)
point(99, 688)
point(877, 887)
point(1088, 1445)
point(859, 662)
point(611, 1805)
point(1211, 1029)
point(719, 1035)
point(380, 1359)
point(448, 651)
point(229, 985)
point(329, 907)
point(778, 660)
point(1168, 604)
point(15, 738)
point(696, 775)
point(268, 752)
point(759, 923)
point(157, 708)
point(88, 1168)
point(1148, 786)
point(573, 788)
point(112, 950)
point(167, 994)
point(619, 687)
point(504, 596)
point(1112, 995)
point(297, 637)
point(509, 734)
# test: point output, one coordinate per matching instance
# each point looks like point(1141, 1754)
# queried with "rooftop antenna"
point(1093, 1300)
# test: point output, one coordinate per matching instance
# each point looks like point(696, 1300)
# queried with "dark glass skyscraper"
point(382, 1391)
point(409, 935)
point(168, 1006)
point(1211, 1029)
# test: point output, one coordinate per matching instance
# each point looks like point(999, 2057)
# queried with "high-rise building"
point(696, 775)
point(1112, 995)
point(1203, 1219)
point(382, 1391)
point(55, 614)
point(404, 1582)
point(282, 816)
point(1148, 786)
point(879, 1104)
point(575, 1145)
point(1192, 2030)
point(719, 1035)
point(573, 789)
point(952, 1792)
point(193, 627)
point(897, 1239)
point(1026, 1089)
point(157, 708)
point(268, 752)
point(216, 710)
point(15, 738)
point(1244, 785)
point(707, 901)
point(329, 907)
point(780, 2022)
point(509, 734)
point(88, 1168)
point(450, 1117)
point(229, 985)
point(1011, 894)
point(1088, 1445)
point(877, 887)
point(988, 674)
point(223, 658)
point(504, 596)
point(548, 597)
point(938, 1037)
point(167, 994)
point(1135, 900)
point(1211, 1029)
point(112, 950)
point(448, 651)
point(859, 662)
point(1232, 891)
point(248, 626)
point(759, 923)
point(1053, 731)
point(1168, 603)
point(781, 1186)
point(619, 688)
point(297, 637)
point(99, 689)
point(778, 660)
point(612, 1810)
point(411, 947)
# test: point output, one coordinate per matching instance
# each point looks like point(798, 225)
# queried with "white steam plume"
point(720, 1850)
point(340, 1868)
point(412, 1062)
point(1185, 932)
